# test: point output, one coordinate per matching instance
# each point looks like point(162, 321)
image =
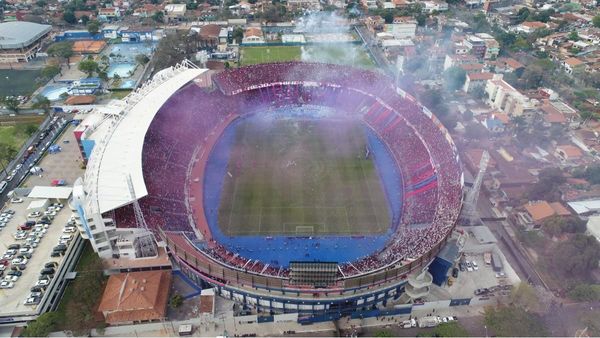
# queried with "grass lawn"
point(119, 94)
point(17, 135)
point(18, 82)
point(255, 55)
point(302, 177)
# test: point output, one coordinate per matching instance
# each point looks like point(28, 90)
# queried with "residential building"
point(209, 35)
point(476, 46)
point(20, 40)
point(253, 35)
point(506, 98)
point(529, 27)
point(375, 24)
point(402, 27)
point(476, 80)
point(568, 153)
point(109, 14)
point(136, 297)
point(304, 4)
point(492, 47)
point(175, 12)
point(572, 64)
point(435, 5)
point(536, 212)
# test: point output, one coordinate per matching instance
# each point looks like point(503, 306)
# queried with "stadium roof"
point(122, 156)
point(17, 34)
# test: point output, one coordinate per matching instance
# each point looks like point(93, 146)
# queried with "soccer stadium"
point(288, 187)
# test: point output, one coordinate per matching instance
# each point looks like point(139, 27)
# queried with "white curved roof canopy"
point(119, 155)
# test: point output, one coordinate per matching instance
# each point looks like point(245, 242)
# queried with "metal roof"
point(62, 193)
point(120, 153)
point(17, 34)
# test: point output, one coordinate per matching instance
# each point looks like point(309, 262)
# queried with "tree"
point(69, 17)
point(158, 16)
point(450, 329)
point(11, 103)
point(176, 301)
point(172, 49)
point(573, 36)
point(513, 321)
point(454, 78)
point(383, 333)
point(93, 27)
point(84, 19)
point(88, 66)
point(141, 59)
point(525, 296)
point(575, 257)
point(585, 292)
point(42, 326)
point(63, 50)
point(42, 102)
point(596, 21)
point(7, 154)
point(50, 71)
point(547, 186)
point(237, 35)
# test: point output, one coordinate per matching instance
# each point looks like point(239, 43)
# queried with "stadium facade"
point(143, 182)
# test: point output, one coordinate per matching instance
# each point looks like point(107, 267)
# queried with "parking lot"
point(483, 277)
point(63, 165)
point(13, 298)
point(60, 165)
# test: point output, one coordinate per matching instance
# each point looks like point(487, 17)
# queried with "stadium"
point(288, 187)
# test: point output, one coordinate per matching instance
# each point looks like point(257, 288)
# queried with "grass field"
point(301, 177)
point(18, 82)
point(255, 55)
point(16, 135)
point(347, 54)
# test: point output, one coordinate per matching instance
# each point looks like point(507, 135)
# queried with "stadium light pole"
point(485, 327)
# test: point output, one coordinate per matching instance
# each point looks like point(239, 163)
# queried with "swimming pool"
point(121, 69)
point(127, 84)
point(54, 91)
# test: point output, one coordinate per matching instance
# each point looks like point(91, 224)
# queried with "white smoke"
point(331, 37)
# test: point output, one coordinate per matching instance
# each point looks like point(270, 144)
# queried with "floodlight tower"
point(146, 243)
point(470, 216)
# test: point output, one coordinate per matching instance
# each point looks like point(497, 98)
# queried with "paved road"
point(51, 130)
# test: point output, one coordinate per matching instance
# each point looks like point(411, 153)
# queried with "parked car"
point(34, 214)
point(69, 230)
point(15, 246)
point(47, 271)
point(53, 265)
point(6, 285)
point(9, 211)
point(16, 200)
point(32, 301)
point(15, 273)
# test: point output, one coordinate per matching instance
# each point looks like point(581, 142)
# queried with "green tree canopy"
point(62, 50)
point(585, 292)
point(88, 66)
point(93, 27)
point(141, 59)
point(42, 326)
point(42, 102)
point(50, 71)
point(513, 321)
point(596, 21)
point(547, 186)
point(69, 17)
point(158, 16)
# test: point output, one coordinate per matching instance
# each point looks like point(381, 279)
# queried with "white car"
point(69, 230)
point(42, 282)
point(11, 278)
point(32, 301)
point(26, 250)
point(20, 236)
point(35, 294)
point(16, 200)
point(50, 213)
point(4, 219)
point(34, 214)
point(6, 285)
point(9, 178)
point(14, 172)
point(475, 266)
point(18, 261)
point(6, 215)
point(19, 166)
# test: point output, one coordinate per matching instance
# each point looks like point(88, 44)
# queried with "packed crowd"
point(432, 197)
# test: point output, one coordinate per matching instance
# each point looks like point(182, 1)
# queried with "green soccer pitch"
point(302, 177)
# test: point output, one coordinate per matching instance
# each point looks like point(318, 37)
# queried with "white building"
point(506, 98)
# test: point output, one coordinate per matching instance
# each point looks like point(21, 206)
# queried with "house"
point(109, 14)
point(175, 12)
point(435, 5)
point(568, 153)
point(453, 60)
point(472, 67)
point(253, 35)
point(492, 47)
point(209, 35)
point(493, 124)
point(375, 24)
point(552, 115)
point(475, 46)
point(304, 4)
point(529, 27)
point(136, 297)
point(536, 212)
point(369, 4)
point(572, 64)
point(508, 65)
point(147, 10)
point(476, 80)
point(224, 36)
point(402, 27)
